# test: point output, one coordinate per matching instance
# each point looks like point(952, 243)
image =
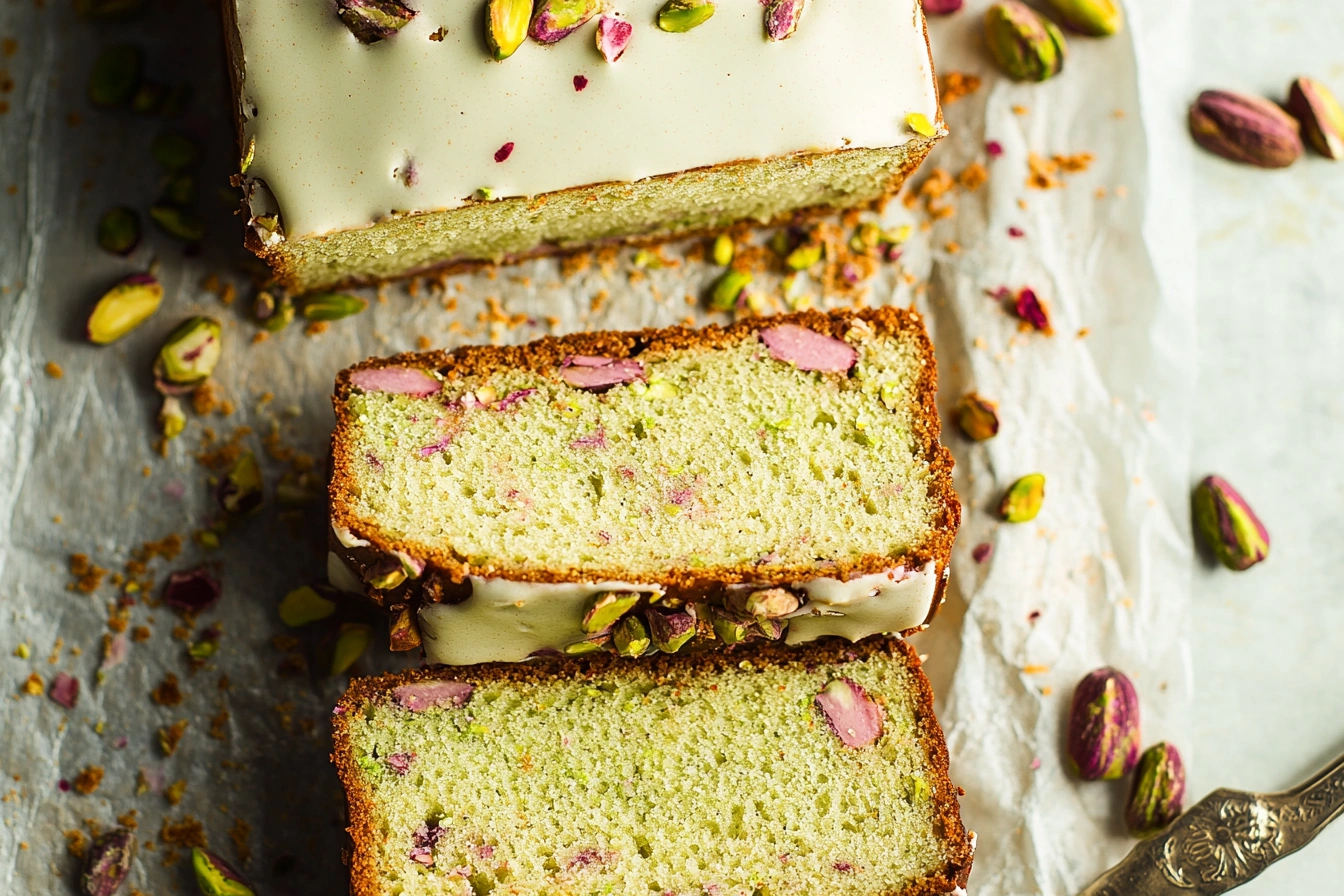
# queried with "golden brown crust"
point(545, 356)
point(364, 880)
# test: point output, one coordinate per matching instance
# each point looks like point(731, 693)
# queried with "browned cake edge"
point(287, 277)
point(361, 857)
point(545, 356)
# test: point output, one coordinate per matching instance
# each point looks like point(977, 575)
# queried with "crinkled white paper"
point(1101, 415)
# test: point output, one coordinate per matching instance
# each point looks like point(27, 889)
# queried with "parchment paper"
point(1106, 564)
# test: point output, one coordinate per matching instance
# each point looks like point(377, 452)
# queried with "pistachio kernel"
point(403, 633)
point(215, 877)
point(107, 863)
point(605, 609)
point(1023, 500)
point(190, 353)
point(351, 642)
point(554, 20)
point(804, 257)
point(782, 18)
point(332, 306)
point(240, 490)
point(613, 36)
point(920, 124)
point(1321, 116)
point(1025, 44)
point(978, 417)
point(506, 24)
point(670, 631)
point(724, 250)
point(728, 290)
point(373, 20)
point(123, 308)
point(283, 316)
point(680, 16)
point(1095, 18)
point(172, 419)
point(630, 637)
point(251, 153)
point(119, 230)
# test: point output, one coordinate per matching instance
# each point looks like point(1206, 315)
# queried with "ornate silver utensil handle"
point(1226, 839)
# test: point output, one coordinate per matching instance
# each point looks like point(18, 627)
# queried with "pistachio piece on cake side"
point(852, 715)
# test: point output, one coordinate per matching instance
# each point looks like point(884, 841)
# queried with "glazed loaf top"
point(347, 133)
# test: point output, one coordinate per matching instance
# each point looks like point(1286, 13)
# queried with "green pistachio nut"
point(1095, 18)
point(606, 609)
point(506, 23)
point(190, 353)
point(1320, 114)
point(1023, 499)
point(773, 629)
point(248, 155)
point(351, 642)
point(554, 20)
point(240, 490)
point(731, 628)
point(119, 230)
point(373, 20)
point(304, 605)
point(332, 306)
point(386, 574)
point(216, 877)
point(115, 76)
point(630, 637)
point(403, 633)
point(592, 645)
point(978, 417)
point(1228, 525)
point(1157, 796)
point(728, 290)
point(804, 256)
point(1025, 44)
point(680, 16)
point(123, 308)
point(670, 631)
point(282, 317)
point(724, 250)
point(172, 419)
point(765, 603)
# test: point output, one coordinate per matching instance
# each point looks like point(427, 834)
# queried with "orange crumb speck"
point(54, 370)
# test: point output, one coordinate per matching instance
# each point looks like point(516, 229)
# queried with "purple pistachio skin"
point(782, 17)
point(942, 7)
point(1245, 129)
point(1158, 794)
point(1322, 118)
point(555, 20)
point(108, 863)
point(373, 20)
point(1228, 525)
point(1103, 733)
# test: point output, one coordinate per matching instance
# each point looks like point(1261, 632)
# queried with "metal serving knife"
point(1226, 839)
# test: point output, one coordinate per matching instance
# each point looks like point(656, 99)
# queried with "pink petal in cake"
point(422, 695)
point(397, 380)
point(852, 715)
point(596, 372)
point(809, 350)
point(65, 690)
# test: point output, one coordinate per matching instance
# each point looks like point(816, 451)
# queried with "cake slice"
point(819, 770)
point(634, 492)
point(376, 151)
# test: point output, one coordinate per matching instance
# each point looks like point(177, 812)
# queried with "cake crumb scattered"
point(954, 86)
point(171, 735)
point(167, 693)
point(88, 780)
point(54, 370)
point(173, 792)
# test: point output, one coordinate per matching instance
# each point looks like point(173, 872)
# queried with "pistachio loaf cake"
point(383, 138)
point(819, 770)
point(780, 479)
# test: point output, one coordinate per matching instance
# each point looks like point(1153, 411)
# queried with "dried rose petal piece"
point(613, 35)
point(193, 591)
point(1028, 307)
point(809, 350)
point(421, 695)
point(65, 690)
point(852, 715)
point(397, 380)
point(594, 372)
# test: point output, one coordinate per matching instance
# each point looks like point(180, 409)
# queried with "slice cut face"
point(815, 770)
point(790, 452)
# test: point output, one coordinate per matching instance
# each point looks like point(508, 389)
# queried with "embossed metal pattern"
point(1226, 839)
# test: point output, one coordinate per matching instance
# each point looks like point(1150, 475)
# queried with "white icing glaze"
point(341, 576)
point(890, 601)
point(507, 621)
point(336, 120)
